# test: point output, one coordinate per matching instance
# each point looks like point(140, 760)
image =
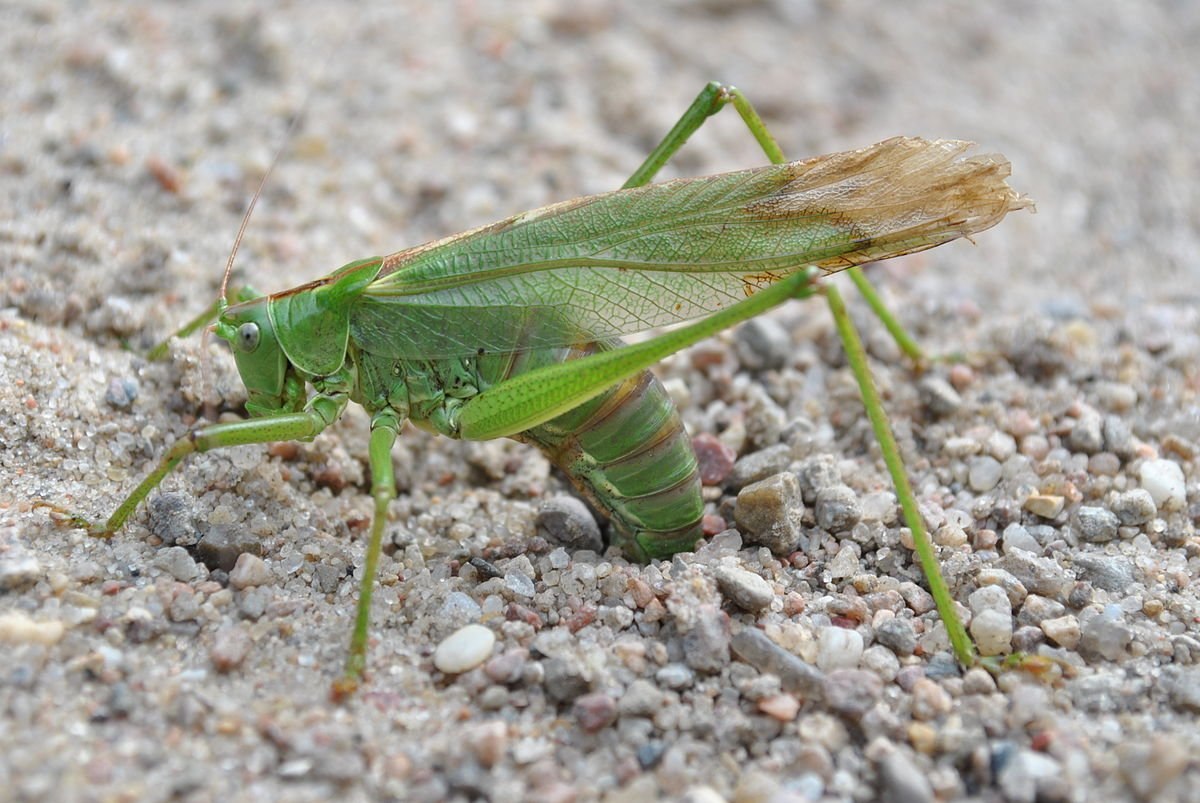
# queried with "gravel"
point(796, 653)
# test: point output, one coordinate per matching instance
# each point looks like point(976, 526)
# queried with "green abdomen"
point(626, 451)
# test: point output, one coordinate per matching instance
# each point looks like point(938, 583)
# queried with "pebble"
point(1134, 507)
point(459, 609)
point(1182, 685)
point(978, 680)
point(706, 644)
point(675, 676)
point(121, 392)
point(1040, 575)
point(177, 562)
point(929, 700)
point(1103, 634)
point(1163, 479)
point(768, 513)
point(902, 781)
point(758, 466)
point(783, 706)
point(993, 632)
point(170, 518)
point(852, 692)
point(17, 627)
point(1087, 435)
point(1017, 537)
point(846, 563)
point(465, 648)
point(1107, 572)
point(838, 648)
point(519, 584)
point(795, 675)
point(221, 546)
point(640, 699)
point(747, 590)
point(594, 712)
point(508, 667)
point(488, 742)
point(250, 570)
point(715, 458)
point(1096, 524)
point(984, 473)
point(18, 570)
point(1047, 506)
point(897, 635)
point(989, 597)
point(564, 519)
point(939, 396)
point(837, 508)
point(763, 344)
point(816, 472)
point(230, 646)
point(1037, 608)
point(1029, 776)
point(1013, 587)
point(1149, 767)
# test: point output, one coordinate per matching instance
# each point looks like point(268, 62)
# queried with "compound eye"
point(247, 337)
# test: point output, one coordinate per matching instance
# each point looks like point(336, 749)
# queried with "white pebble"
point(1164, 480)
point(838, 648)
point(993, 632)
point(465, 648)
point(18, 628)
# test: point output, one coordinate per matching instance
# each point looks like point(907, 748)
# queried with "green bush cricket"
point(510, 330)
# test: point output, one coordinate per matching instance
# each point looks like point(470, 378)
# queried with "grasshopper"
point(511, 330)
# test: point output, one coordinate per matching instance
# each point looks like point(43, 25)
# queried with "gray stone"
point(756, 648)
point(758, 466)
point(902, 781)
point(817, 472)
point(1109, 572)
point(769, 512)
point(837, 508)
point(897, 635)
point(170, 518)
point(1103, 634)
point(706, 645)
point(747, 590)
point(1096, 524)
point(565, 520)
point(1134, 507)
point(852, 692)
point(762, 344)
point(939, 396)
point(176, 562)
point(983, 473)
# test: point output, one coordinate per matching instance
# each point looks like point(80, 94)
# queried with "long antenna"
point(287, 138)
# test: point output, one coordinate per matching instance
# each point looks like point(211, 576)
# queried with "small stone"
point(783, 707)
point(675, 676)
point(838, 648)
point(938, 396)
point(795, 675)
point(1048, 506)
point(879, 506)
point(1038, 574)
point(1182, 685)
point(1027, 639)
point(1087, 435)
point(1134, 507)
point(327, 578)
point(706, 644)
point(852, 692)
point(252, 603)
point(1029, 776)
point(1062, 630)
point(231, 645)
point(459, 609)
point(641, 699)
point(250, 570)
point(121, 392)
point(978, 680)
point(902, 781)
point(594, 712)
point(837, 508)
point(17, 627)
point(1109, 572)
point(984, 473)
point(18, 570)
point(989, 597)
point(1096, 524)
point(519, 584)
point(508, 667)
point(758, 466)
point(930, 700)
point(846, 563)
point(1164, 480)
point(1150, 767)
point(897, 635)
point(769, 512)
point(565, 520)
point(220, 546)
point(465, 648)
point(716, 460)
point(747, 590)
point(1037, 608)
point(170, 518)
point(1103, 634)
point(1013, 587)
point(1017, 537)
point(488, 742)
point(993, 632)
point(177, 562)
point(762, 344)
point(1118, 437)
point(816, 472)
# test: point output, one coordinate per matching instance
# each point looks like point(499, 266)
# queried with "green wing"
point(635, 259)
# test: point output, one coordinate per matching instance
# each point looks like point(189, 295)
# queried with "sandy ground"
point(130, 138)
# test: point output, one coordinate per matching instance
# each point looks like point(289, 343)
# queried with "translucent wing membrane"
point(635, 259)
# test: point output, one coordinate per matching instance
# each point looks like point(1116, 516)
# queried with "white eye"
point(247, 335)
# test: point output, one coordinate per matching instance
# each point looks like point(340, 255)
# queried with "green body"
point(511, 330)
